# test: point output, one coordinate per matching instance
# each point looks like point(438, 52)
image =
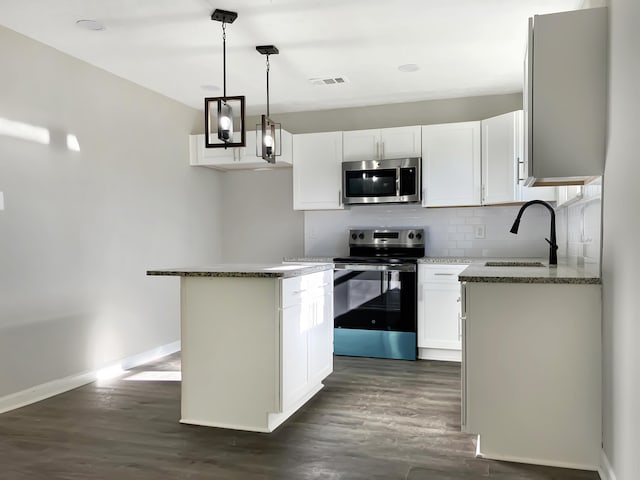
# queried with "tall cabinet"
point(502, 162)
point(451, 164)
point(565, 98)
point(317, 171)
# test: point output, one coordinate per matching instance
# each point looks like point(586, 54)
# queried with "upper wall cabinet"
point(241, 158)
point(451, 164)
point(317, 171)
point(378, 144)
point(502, 162)
point(565, 97)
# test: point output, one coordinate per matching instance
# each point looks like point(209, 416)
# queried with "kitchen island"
point(257, 341)
point(531, 379)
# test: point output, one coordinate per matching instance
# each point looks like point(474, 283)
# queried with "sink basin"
point(513, 264)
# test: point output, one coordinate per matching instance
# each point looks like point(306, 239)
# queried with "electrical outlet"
point(1, 201)
point(479, 231)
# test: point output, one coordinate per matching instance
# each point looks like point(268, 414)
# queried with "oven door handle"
point(376, 267)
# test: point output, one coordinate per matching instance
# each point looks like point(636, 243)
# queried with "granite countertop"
point(308, 259)
point(256, 270)
point(563, 273)
point(448, 260)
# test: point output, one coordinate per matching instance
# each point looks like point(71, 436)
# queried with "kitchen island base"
point(254, 348)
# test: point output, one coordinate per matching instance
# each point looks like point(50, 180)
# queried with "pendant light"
point(268, 133)
point(221, 113)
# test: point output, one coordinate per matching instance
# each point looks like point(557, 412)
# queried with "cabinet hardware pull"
point(445, 274)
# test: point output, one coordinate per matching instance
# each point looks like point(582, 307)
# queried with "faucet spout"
point(553, 246)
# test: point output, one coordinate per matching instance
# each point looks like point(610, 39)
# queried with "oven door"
point(375, 310)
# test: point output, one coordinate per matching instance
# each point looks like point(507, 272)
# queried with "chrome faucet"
point(553, 246)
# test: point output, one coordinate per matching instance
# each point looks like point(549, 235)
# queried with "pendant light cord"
point(224, 60)
point(268, 86)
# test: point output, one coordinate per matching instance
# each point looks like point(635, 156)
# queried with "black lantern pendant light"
point(220, 113)
point(268, 133)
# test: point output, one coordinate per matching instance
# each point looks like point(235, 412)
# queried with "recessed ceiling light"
point(210, 88)
point(409, 67)
point(90, 25)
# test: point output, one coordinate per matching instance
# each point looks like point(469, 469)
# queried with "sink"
point(513, 264)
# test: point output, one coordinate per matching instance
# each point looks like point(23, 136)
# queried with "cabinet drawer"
point(439, 273)
point(295, 290)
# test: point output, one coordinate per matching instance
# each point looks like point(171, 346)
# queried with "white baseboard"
point(606, 470)
point(441, 354)
point(61, 385)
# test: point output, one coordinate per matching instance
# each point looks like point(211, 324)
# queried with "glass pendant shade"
point(224, 122)
point(268, 140)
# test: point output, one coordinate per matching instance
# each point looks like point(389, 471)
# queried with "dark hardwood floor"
point(375, 419)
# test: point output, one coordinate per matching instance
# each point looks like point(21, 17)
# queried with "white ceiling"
point(462, 47)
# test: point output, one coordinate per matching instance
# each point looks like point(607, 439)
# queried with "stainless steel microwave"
point(395, 180)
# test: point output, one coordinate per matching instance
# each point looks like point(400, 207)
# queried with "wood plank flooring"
point(375, 419)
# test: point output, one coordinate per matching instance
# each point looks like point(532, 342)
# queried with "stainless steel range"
point(375, 290)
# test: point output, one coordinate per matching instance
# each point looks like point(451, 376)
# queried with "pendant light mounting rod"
point(267, 50)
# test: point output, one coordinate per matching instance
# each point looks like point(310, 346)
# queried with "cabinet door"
point(361, 145)
point(209, 157)
point(321, 338)
point(566, 93)
point(317, 171)
point(295, 363)
point(440, 317)
point(451, 164)
point(286, 149)
point(500, 157)
point(401, 142)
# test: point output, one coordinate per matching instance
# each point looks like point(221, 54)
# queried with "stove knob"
point(361, 236)
point(418, 236)
point(354, 236)
point(411, 236)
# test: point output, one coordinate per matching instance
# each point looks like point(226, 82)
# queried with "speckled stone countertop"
point(308, 259)
point(448, 260)
point(563, 273)
point(256, 270)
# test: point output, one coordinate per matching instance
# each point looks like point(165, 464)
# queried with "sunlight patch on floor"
point(156, 376)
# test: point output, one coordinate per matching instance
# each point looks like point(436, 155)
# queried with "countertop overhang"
point(256, 270)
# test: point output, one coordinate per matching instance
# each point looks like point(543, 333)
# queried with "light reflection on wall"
point(24, 131)
point(33, 133)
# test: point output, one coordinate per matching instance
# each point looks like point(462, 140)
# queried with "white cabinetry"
point(451, 164)
point(565, 99)
point(532, 372)
point(378, 144)
point(502, 138)
point(317, 171)
point(254, 349)
point(307, 335)
point(237, 158)
point(439, 322)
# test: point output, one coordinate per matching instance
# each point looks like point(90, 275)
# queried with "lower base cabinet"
point(439, 322)
point(531, 377)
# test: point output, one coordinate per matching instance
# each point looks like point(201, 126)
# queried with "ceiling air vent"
point(328, 81)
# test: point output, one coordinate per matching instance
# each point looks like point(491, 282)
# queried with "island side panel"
point(533, 372)
point(230, 351)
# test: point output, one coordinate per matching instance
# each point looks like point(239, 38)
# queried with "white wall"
point(621, 252)
point(427, 112)
point(258, 220)
point(80, 229)
point(449, 231)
